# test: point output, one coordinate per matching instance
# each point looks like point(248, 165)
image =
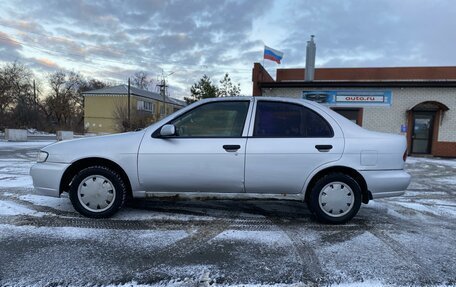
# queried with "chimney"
point(310, 59)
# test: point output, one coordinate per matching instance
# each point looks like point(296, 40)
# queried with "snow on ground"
point(406, 240)
point(447, 180)
point(63, 204)
point(138, 238)
point(8, 146)
point(268, 238)
point(135, 214)
point(58, 203)
point(449, 210)
point(8, 180)
point(437, 161)
point(15, 173)
point(355, 258)
point(9, 208)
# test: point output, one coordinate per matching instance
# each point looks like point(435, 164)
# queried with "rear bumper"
point(47, 176)
point(386, 183)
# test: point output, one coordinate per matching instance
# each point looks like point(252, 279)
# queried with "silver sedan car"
point(236, 148)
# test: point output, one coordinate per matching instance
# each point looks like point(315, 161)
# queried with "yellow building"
point(106, 110)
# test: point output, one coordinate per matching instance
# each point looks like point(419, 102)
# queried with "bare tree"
point(64, 105)
point(64, 102)
point(16, 96)
point(142, 80)
point(138, 120)
point(22, 107)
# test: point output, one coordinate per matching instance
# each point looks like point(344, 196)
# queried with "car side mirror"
point(168, 130)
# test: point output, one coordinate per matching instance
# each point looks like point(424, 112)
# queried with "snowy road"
point(408, 240)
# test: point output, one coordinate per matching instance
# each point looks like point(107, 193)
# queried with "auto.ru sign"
point(350, 98)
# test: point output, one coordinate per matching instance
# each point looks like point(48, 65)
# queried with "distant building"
point(417, 102)
point(104, 109)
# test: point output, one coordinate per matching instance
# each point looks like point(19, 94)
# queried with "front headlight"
point(42, 156)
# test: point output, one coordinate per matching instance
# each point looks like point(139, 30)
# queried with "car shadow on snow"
point(225, 208)
point(274, 211)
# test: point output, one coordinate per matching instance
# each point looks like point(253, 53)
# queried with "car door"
point(287, 141)
point(206, 155)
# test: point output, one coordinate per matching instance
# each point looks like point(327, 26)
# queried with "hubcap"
point(336, 199)
point(96, 193)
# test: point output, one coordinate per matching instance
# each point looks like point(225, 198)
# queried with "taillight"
point(404, 157)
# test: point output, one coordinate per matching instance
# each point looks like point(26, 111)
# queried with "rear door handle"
point(323, 147)
point(231, 147)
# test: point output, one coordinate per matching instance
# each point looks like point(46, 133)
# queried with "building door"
point(423, 126)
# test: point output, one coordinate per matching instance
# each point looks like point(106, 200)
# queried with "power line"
point(84, 64)
point(92, 66)
point(119, 62)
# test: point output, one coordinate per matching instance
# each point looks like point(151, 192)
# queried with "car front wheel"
point(97, 192)
point(335, 198)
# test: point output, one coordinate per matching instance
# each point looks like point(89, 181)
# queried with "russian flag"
point(272, 54)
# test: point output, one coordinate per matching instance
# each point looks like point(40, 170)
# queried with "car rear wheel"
point(97, 192)
point(335, 198)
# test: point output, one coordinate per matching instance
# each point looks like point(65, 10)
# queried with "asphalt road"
point(402, 241)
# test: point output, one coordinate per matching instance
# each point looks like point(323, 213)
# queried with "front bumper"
point(386, 183)
point(47, 176)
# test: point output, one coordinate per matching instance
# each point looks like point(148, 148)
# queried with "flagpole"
point(263, 57)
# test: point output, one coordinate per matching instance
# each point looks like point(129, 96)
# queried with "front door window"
point(217, 119)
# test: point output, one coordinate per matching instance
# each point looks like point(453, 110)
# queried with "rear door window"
point(288, 120)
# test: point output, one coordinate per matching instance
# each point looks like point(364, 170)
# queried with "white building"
point(419, 102)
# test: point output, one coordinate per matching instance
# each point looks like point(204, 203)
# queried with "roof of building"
point(438, 77)
point(372, 74)
point(123, 90)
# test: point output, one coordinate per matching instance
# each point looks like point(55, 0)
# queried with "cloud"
point(367, 33)
point(22, 25)
point(45, 64)
point(9, 48)
point(113, 39)
point(7, 42)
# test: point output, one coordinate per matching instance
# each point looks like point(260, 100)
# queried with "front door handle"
point(323, 147)
point(231, 147)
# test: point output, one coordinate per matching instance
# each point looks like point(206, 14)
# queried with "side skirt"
point(215, 195)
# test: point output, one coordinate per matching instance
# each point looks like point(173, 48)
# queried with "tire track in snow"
point(311, 272)
point(423, 212)
point(197, 240)
point(40, 208)
point(424, 276)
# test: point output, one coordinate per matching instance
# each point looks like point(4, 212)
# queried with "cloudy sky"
point(110, 40)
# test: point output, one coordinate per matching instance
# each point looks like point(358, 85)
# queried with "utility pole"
point(129, 123)
point(162, 86)
point(34, 106)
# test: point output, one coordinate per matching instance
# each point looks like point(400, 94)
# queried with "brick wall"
point(445, 149)
point(390, 119)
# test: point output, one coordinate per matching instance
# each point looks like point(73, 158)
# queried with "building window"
point(353, 114)
point(146, 106)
